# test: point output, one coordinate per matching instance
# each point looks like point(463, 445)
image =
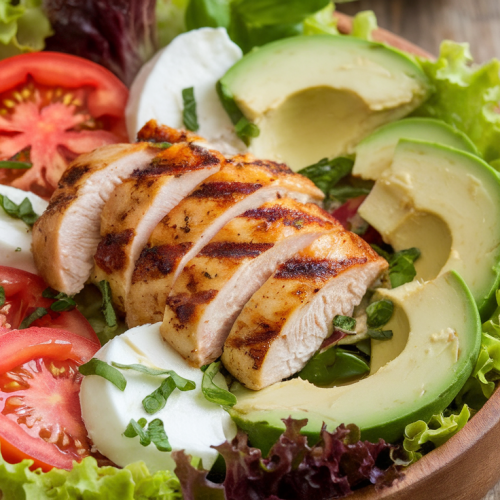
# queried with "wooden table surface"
point(426, 23)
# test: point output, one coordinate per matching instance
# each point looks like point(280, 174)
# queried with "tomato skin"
point(16, 443)
point(23, 292)
point(57, 69)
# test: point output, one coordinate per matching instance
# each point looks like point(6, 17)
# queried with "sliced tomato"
point(23, 295)
point(40, 416)
point(54, 107)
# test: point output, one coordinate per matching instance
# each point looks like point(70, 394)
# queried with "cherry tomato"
point(40, 416)
point(54, 107)
point(23, 295)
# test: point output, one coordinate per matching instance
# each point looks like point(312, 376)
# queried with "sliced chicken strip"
point(66, 236)
point(287, 319)
point(214, 286)
point(242, 184)
point(153, 132)
point(139, 204)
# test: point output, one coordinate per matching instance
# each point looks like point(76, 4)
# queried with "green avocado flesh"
point(443, 343)
point(446, 203)
point(375, 153)
point(318, 96)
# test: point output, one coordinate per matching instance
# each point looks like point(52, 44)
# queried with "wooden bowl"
point(466, 467)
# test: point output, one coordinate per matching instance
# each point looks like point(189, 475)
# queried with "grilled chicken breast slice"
point(156, 133)
point(242, 184)
point(66, 236)
point(137, 206)
point(287, 319)
point(214, 286)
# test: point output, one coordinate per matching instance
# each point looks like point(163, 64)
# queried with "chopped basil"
point(244, 129)
point(189, 115)
point(379, 313)
point(401, 264)
point(102, 369)
point(36, 314)
point(212, 392)
point(346, 192)
point(23, 211)
point(107, 306)
point(63, 302)
point(157, 400)
point(155, 433)
point(18, 249)
point(2, 296)
point(15, 164)
point(161, 145)
point(158, 435)
point(181, 383)
point(380, 334)
point(344, 323)
point(137, 429)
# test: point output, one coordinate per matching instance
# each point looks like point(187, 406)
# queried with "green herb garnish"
point(137, 429)
point(23, 211)
point(63, 302)
point(157, 400)
point(401, 264)
point(107, 306)
point(344, 323)
point(212, 392)
point(189, 115)
point(38, 313)
point(158, 435)
point(326, 173)
point(380, 334)
point(15, 164)
point(102, 369)
point(379, 313)
point(2, 296)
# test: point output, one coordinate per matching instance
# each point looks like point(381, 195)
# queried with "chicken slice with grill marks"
point(66, 236)
point(287, 319)
point(138, 204)
point(214, 286)
point(242, 184)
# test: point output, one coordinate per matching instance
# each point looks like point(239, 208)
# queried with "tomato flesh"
point(49, 116)
point(40, 416)
point(23, 294)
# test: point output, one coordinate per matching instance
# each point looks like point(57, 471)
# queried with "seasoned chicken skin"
point(137, 205)
point(213, 287)
point(242, 184)
point(66, 236)
point(287, 319)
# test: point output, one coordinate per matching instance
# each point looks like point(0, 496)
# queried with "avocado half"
point(318, 96)
point(443, 343)
point(446, 203)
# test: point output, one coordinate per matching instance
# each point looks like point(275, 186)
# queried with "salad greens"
point(87, 480)
point(23, 27)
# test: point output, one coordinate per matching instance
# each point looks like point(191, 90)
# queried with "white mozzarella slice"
point(198, 59)
point(15, 235)
point(191, 422)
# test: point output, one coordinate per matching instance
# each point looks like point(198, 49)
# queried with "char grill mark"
point(59, 203)
point(184, 305)
point(157, 262)
point(315, 270)
point(272, 166)
point(72, 175)
point(110, 255)
point(229, 250)
point(288, 217)
point(177, 160)
point(217, 190)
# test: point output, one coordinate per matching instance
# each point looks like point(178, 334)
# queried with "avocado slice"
point(318, 96)
point(446, 203)
point(443, 344)
point(374, 154)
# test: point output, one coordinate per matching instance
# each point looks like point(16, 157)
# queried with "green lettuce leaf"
point(437, 431)
point(465, 96)
point(87, 481)
point(23, 27)
point(363, 25)
point(170, 20)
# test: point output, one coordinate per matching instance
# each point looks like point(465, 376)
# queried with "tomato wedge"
point(54, 107)
point(23, 295)
point(40, 416)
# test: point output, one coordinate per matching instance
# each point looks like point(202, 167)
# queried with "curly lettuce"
point(437, 431)
point(86, 480)
point(465, 96)
point(23, 27)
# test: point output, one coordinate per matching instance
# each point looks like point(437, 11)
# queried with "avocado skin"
point(265, 427)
